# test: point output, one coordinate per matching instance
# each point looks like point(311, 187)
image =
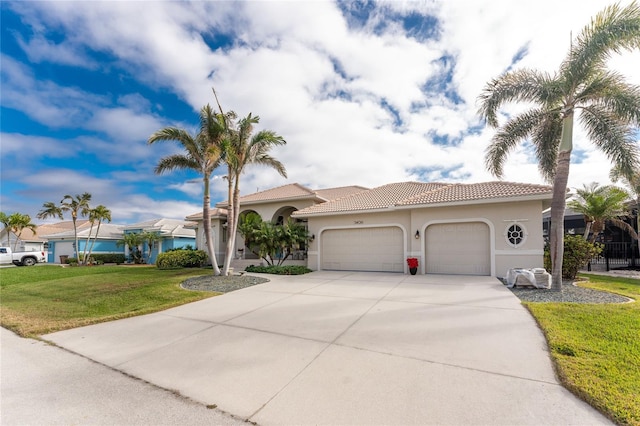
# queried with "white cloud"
point(331, 90)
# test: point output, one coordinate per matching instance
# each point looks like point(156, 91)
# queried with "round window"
point(516, 234)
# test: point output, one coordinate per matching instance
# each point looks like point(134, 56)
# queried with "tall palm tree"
point(78, 205)
point(203, 155)
point(17, 222)
point(608, 108)
point(244, 148)
point(97, 214)
point(601, 204)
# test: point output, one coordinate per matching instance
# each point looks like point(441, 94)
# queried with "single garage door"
point(63, 249)
point(363, 249)
point(458, 249)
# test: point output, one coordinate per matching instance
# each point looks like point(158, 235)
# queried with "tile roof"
point(214, 213)
point(172, 227)
point(477, 191)
point(285, 192)
point(408, 194)
point(51, 228)
point(343, 191)
point(107, 230)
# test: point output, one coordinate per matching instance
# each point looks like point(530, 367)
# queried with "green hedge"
point(279, 270)
point(181, 259)
point(101, 258)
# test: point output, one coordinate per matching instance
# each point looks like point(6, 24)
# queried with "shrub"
point(181, 259)
point(108, 258)
point(279, 270)
point(577, 252)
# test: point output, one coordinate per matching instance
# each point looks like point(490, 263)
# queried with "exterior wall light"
point(417, 236)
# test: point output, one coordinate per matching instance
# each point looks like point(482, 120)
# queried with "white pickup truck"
point(21, 258)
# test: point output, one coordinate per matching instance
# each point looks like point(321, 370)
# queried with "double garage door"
point(363, 249)
point(451, 248)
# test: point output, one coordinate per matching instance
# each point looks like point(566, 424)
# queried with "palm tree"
point(601, 204)
point(632, 182)
point(4, 219)
point(77, 205)
point(16, 223)
point(99, 214)
point(132, 240)
point(150, 238)
point(608, 107)
point(202, 154)
point(244, 149)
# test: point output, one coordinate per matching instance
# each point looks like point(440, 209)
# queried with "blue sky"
point(365, 93)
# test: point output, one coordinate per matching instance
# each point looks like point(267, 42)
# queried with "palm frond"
point(507, 138)
point(611, 93)
point(516, 86)
point(611, 31)
point(615, 139)
point(546, 139)
point(177, 162)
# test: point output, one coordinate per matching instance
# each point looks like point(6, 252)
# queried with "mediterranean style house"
point(451, 228)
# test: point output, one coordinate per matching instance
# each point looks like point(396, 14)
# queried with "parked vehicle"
point(21, 258)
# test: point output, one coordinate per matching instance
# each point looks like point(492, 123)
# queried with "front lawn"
point(596, 348)
point(43, 299)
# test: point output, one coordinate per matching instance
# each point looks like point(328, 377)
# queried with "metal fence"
point(617, 255)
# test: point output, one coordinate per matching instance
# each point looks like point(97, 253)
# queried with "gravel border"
point(570, 293)
point(221, 284)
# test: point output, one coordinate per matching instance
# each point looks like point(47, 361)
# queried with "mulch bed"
point(221, 284)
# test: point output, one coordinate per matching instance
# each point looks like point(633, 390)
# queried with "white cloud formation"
point(351, 101)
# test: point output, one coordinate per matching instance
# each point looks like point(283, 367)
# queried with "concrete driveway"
point(348, 348)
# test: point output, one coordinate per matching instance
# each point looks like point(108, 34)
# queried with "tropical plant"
point(609, 110)
point(272, 242)
point(77, 206)
point(577, 253)
point(133, 240)
point(15, 223)
point(243, 149)
point(599, 205)
point(203, 155)
point(98, 214)
point(632, 182)
point(150, 238)
point(181, 259)
point(4, 219)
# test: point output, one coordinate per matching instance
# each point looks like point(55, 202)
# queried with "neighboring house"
point(62, 244)
point(574, 224)
point(472, 229)
point(173, 234)
point(38, 241)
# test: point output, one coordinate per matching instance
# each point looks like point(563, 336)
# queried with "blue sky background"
point(365, 93)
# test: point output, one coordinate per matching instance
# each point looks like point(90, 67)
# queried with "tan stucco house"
point(451, 228)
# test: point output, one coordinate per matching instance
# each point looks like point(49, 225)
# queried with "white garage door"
point(458, 249)
point(63, 249)
point(363, 249)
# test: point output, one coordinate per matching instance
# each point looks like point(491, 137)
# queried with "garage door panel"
point(458, 249)
point(363, 249)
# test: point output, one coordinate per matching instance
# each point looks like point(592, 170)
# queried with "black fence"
point(617, 255)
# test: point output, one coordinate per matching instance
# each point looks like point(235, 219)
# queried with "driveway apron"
point(348, 348)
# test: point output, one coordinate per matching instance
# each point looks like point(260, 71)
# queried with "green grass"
point(44, 299)
point(596, 348)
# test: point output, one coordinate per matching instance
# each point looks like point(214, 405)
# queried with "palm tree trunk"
point(86, 245)
point(75, 235)
point(587, 230)
point(559, 201)
point(94, 240)
point(231, 233)
point(206, 223)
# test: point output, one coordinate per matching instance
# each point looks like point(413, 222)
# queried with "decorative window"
point(516, 234)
